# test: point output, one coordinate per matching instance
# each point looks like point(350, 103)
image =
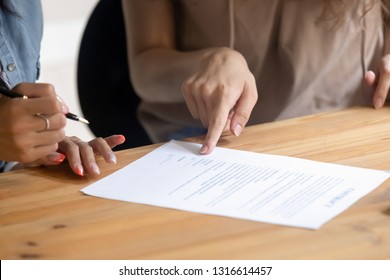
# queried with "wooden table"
point(43, 214)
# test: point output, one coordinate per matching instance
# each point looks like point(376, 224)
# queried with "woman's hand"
point(32, 140)
point(379, 85)
point(221, 93)
point(81, 154)
point(24, 137)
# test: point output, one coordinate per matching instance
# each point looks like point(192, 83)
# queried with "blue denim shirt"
point(20, 40)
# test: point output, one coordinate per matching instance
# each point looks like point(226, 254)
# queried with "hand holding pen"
point(32, 132)
point(12, 94)
point(31, 126)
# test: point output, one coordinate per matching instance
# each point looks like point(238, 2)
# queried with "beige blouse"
point(302, 64)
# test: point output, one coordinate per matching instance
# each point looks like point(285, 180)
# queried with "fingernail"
point(237, 129)
point(95, 168)
point(378, 102)
point(112, 158)
point(204, 149)
point(79, 170)
point(123, 138)
point(64, 108)
point(57, 158)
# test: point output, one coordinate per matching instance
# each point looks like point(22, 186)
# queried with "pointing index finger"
point(216, 126)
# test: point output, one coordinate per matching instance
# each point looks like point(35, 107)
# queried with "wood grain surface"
point(43, 214)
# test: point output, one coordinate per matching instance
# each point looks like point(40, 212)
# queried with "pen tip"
point(83, 120)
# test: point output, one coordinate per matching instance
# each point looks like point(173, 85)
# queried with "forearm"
point(157, 68)
point(158, 74)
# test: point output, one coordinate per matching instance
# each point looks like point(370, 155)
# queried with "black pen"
point(6, 92)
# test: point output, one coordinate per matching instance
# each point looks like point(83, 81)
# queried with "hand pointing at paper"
point(215, 84)
point(221, 93)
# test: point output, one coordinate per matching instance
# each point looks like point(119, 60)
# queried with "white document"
point(266, 188)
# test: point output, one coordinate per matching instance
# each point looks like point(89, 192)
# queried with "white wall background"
point(64, 24)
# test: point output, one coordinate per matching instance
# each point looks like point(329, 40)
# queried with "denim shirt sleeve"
point(20, 40)
point(20, 43)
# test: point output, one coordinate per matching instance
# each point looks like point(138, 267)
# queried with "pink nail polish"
point(57, 158)
point(79, 171)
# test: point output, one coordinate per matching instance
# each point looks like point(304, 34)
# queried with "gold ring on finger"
point(45, 118)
